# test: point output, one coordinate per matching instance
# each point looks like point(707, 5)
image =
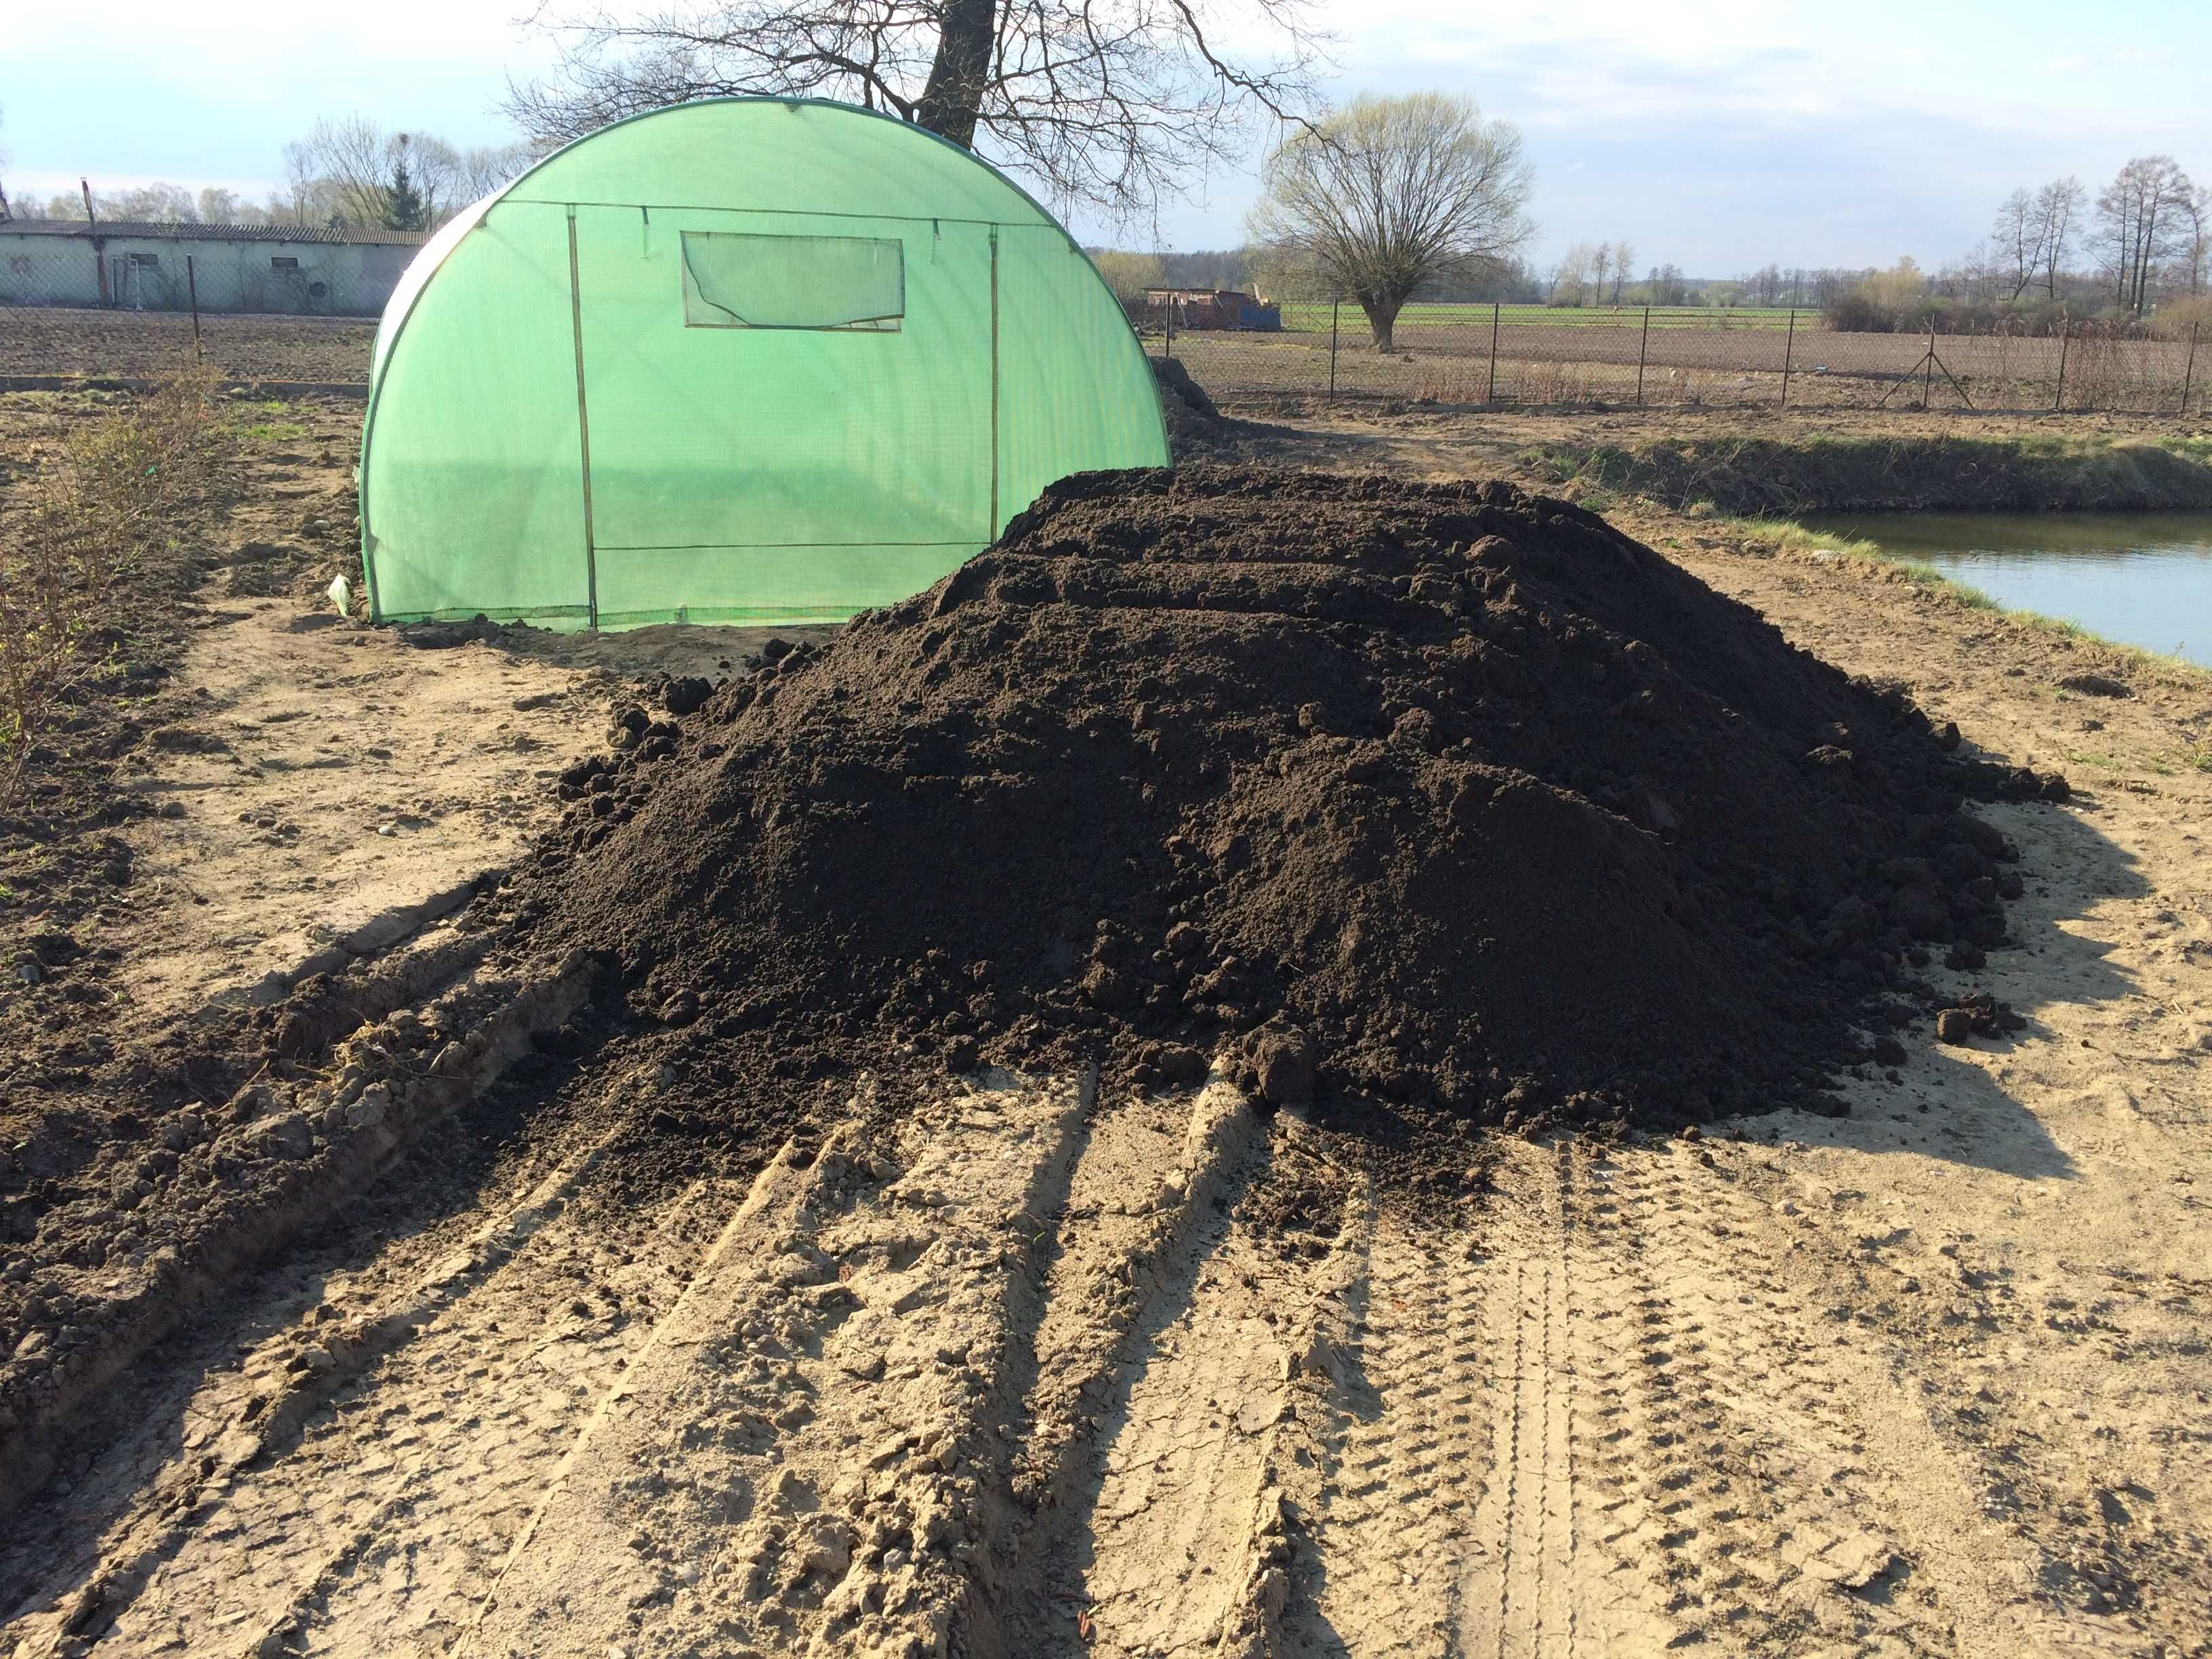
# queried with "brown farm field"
point(369, 1286)
point(1551, 364)
point(1539, 364)
point(53, 340)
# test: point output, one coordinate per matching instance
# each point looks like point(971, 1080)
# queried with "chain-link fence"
point(1441, 356)
point(1489, 357)
point(170, 272)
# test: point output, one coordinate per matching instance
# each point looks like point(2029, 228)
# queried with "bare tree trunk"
point(1382, 321)
point(954, 95)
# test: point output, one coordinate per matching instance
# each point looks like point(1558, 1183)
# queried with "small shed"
point(741, 360)
point(1211, 309)
point(294, 269)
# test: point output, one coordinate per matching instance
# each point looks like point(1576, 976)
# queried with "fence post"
point(2189, 373)
point(1169, 350)
point(192, 288)
point(1643, 351)
point(1333, 305)
point(1928, 369)
point(99, 252)
point(2058, 402)
point(1489, 388)
point(1789, 354)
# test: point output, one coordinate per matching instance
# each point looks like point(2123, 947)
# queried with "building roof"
point(165, 231)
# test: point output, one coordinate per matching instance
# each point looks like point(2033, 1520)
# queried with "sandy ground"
point(1027, 1367)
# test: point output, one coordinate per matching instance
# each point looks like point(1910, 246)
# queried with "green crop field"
point(1311, 316)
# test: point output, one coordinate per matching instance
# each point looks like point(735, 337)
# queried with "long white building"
point(294, 269)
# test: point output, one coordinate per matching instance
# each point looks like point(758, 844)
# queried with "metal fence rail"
point(1499, 356)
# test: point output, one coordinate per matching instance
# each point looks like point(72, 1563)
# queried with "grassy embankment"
point(1756, 489)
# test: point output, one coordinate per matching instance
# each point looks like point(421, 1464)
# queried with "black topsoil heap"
point(1448, 794)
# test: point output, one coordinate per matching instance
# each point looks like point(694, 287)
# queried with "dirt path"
point(1026, 1366)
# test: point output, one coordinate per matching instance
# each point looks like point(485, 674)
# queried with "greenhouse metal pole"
point(583, 432)
point(1490, 390)
point(1333, 305)
point(1789, 352)
point(1643, 351)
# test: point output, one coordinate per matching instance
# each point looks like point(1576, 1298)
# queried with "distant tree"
point(404, 205)
point(2140, 225)
point(1624, 261)
point(154, 204)
point(2017, 241)
point(487, 168)
point(1600, 270)
point(1217, 268)
point(1127, 274)
point(2058, 210)
point(5, 211)
point(2195, 249)
point(1286, 273)
point(1572, 275)
point(349, 171)
point(1391, 193)
point(1111, 104)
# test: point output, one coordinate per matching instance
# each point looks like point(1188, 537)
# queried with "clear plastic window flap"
point(734, 280)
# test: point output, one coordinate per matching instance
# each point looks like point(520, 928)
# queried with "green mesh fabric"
point(739, 360)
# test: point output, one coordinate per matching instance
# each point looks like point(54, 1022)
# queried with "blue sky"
point(1717, 135)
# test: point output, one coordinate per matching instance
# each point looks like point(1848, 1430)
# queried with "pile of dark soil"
point(1448, 794)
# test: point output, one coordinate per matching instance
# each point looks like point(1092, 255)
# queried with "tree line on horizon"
point(350, 173)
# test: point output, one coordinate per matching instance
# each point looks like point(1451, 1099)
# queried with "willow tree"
point(1110, 105)
point(1389, 194)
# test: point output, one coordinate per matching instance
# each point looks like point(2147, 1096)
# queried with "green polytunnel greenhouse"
point(746, 360)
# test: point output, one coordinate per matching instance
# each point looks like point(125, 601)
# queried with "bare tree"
point(488, 167)
point(2017, 241)
point(1600, 267)
point(1571, 275)
point(2059, 209)
point(5, 212)
point(355, 172)
point(1390, 194)
point(351, 160)
point(1623, 264)
point(2141, 224)
point(2194, 207)
point(1128, 274)
point(1108, 103)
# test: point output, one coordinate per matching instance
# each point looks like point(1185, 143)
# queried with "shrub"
point(70, 542)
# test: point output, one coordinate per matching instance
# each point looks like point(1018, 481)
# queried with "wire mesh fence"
point(125, 271)
point(1441, 356)
point(1494, 357)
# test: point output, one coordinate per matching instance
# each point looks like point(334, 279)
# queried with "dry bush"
point(2178, 318)
point(69, 546)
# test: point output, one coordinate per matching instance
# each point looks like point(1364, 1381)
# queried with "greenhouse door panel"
point(788, 415)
